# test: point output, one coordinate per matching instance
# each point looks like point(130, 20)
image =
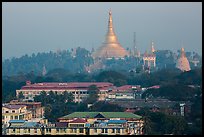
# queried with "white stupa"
point(182, 62)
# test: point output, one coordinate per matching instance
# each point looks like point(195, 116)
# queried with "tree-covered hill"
point(74, 61)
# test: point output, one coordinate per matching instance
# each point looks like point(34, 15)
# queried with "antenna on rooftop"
point(134, 46)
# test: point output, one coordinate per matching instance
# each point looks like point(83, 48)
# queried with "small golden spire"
point(110, 12)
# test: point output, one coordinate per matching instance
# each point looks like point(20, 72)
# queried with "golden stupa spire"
point(110, 22)
point(182, 52)
point(110, 36)
point(110, 47)
point(152, 47)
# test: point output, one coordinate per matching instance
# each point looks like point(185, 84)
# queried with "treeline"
point(74, 61)
point(174, 92)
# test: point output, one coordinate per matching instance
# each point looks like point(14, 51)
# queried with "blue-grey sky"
point(42, 27)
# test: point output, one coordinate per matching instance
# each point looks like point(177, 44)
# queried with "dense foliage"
point(157, 123)
point(53, 101)
point(74, 61)
point(173, 92)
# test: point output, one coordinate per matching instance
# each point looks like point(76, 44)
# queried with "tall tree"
point(20, 96)
point(93, 92)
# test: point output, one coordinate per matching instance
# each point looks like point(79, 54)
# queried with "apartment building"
point(78, 89)
point(15, 112)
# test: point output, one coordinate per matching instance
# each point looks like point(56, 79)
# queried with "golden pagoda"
point(182, 62)
point(111, 47)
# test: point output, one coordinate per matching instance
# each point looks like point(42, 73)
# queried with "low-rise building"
point(15, 112)
point(106, 123)
point(124, 92)
point(78, 89)
point(22, 127)
point(35, 107)
point(82, 123)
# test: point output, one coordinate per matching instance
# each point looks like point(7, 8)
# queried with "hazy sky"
point(42, 27)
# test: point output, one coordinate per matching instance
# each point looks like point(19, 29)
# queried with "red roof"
point(155, 87)
point(67, 86)
point(78, 120)
point(125, 87)
point(14, 106)
point(130, 110)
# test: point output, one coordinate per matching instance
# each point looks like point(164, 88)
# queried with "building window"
point(71, 130)
point(117, 130)
point(18, 130)
point(81, 130)
point(106, 130)
point(75, 130)
point(35, 130)
point(16, 117)
point(11, 117)
point(95, 130)
point(64, 130)
point(113, 131)
point(48, 130)
point(7, 111)
point(2, 117)
point(13, 111)
point(57, 130)
point(14, 130)
point(102, 130)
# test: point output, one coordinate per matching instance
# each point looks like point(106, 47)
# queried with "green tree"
point(48, 114)
point(68, 97)
point(21, 96)
point(93, 92)
point(105, 107)
point(145, 113)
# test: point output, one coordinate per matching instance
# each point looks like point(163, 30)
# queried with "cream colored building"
point(78, 89)
point(15, 112)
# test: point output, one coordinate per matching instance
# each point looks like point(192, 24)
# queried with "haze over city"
point(42, 27)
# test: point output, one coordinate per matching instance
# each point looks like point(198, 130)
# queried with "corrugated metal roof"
point(104, 114)
point(30, 124)
point(117, 121)
point(17, 121)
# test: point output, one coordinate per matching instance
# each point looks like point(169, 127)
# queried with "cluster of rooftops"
point(81, 117)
